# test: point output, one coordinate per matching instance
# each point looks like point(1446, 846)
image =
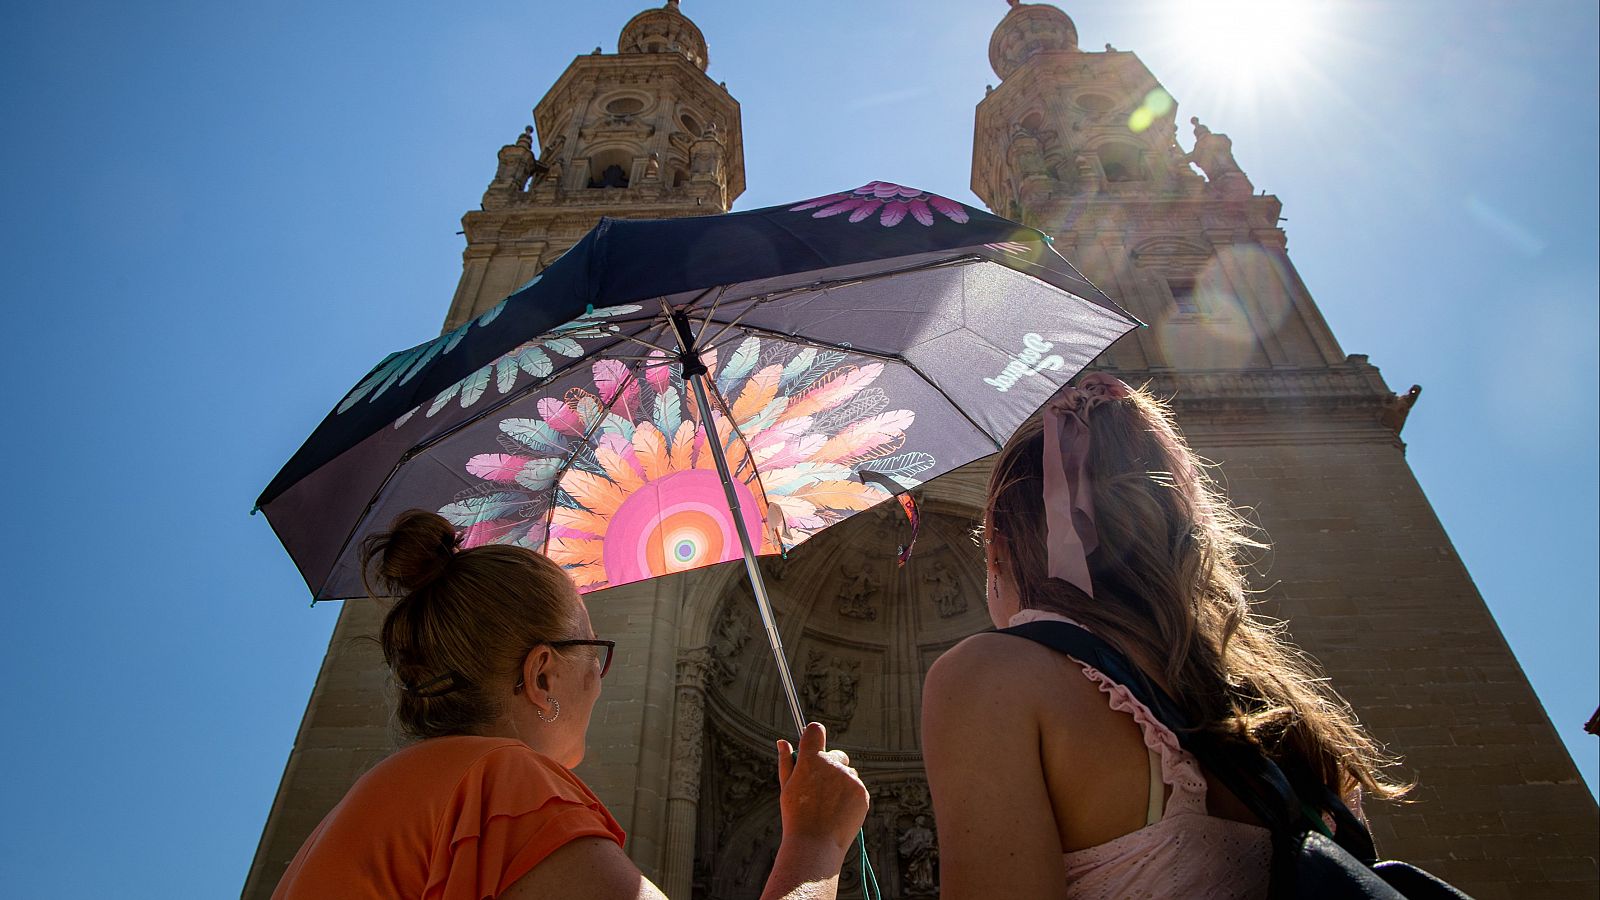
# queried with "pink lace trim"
point(1178, 768)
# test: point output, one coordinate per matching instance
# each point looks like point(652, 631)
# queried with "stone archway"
point(861, 631)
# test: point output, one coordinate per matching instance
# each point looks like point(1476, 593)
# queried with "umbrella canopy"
point(881, 330)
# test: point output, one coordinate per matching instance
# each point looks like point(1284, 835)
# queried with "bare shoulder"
point(991, 665)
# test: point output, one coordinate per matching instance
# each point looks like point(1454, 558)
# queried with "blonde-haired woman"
point(1051, 780)
point(499, 669)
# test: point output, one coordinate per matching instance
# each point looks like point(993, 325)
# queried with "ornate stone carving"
point(828, 689)
point(706, 154)
point(1026, 153)
point(1213, 153)
point(732, 632)
point(855, 598)
point(944, 588)
point(688, 741)
point(695, 667)
point(516, 166)
point(1029, 29)
point(1398, 407)
point(919, 857)
point(759, 854)
point(739, 777)
point(688, 734)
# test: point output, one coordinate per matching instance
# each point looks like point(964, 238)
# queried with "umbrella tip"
point(254, 510)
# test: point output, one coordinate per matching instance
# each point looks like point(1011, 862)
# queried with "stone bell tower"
point(642, 133)
point(1084, 146)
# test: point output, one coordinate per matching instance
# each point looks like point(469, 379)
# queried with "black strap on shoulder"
point(1255, 779)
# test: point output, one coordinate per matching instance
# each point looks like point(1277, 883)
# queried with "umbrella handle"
point(758, 585)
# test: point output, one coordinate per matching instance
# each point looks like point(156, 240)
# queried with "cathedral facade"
point(1085, 146)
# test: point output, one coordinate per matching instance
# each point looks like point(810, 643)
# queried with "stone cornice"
point(1339, 404)
point(1225, 220)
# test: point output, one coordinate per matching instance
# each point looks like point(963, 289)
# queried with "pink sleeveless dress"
point(1182, 852)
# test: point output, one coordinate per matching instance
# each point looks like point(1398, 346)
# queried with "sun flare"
point(1248, 42)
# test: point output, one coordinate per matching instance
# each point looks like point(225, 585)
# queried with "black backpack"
point(1306, 861)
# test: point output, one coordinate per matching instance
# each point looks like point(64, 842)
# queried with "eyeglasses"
point(607, 648)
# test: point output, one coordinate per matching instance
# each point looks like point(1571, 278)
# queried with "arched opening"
point(861, 631)
point(610, 169)
point(1121, 163)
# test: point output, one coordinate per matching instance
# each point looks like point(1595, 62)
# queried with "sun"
point(1248, 43)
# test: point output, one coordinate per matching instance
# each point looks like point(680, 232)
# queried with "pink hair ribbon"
point(1068, 491)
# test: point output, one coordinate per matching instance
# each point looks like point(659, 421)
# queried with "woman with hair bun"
point(498, 669)
point(1051, 780)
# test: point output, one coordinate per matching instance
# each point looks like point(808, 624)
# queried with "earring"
point(553, 716)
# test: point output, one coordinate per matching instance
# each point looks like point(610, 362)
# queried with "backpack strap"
point(1255, 779)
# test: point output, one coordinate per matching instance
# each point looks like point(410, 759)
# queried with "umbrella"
point(677, 393)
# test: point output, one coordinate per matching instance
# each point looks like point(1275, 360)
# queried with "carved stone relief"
point(828, 689)
point(855, 623)
point(688, 738)
point(941, 586)
point(732, 632)
point(855, 596)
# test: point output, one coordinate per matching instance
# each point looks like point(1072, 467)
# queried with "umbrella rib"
point(644, 343)
point(953, 404)
point(754, 302)
point(824, 345)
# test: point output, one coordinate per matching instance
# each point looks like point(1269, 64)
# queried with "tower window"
point(1183, 296)
point(1121, 163)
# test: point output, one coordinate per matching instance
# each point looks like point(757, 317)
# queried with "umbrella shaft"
point(758, 586)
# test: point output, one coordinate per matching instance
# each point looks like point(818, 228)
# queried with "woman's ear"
point(534, 679)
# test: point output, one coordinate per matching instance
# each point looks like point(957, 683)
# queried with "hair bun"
point(413, 552)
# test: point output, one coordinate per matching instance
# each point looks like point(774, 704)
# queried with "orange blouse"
point(451, 818)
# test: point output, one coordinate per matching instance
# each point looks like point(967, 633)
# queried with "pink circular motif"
point(677, 522)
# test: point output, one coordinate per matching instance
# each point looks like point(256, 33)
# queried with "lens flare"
point(1156, 104)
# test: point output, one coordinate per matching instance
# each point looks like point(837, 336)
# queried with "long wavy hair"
point(1170, 592)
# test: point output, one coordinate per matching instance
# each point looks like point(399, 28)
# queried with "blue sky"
point(218, 216)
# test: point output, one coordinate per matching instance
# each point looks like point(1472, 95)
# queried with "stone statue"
point(829, 689)
point(652, 168)
point(859, 586)
point(1213, 153)
point(732, 633)
point(945, 589)
point(705, 156)
point(847, 677)
point(814, 689)
point(919, 855)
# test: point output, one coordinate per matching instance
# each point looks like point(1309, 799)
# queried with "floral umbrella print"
point(891, 202)
point(618, 484)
